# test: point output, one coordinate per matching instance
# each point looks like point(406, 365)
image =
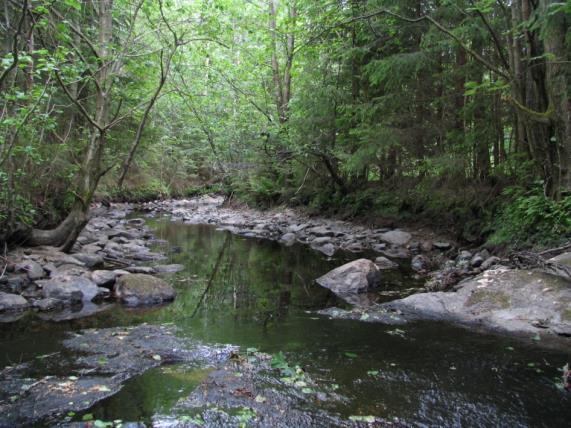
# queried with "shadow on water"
point(257, 293)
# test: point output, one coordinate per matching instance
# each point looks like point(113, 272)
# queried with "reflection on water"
point(260, 294)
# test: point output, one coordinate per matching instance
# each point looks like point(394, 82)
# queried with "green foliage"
point(532, 218)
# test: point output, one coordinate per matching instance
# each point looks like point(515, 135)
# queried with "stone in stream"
point(168, 268)
point(14, 283)
point(357, 276)
point(102, 361)
point(12, 303)
point(513, 301)
point(250, 392)
point(141, 289)
point(320, 231)
point(489, 262)
point(396, 253)
point(147, 270)
point(384, 263)
point(396, 237)
point(48, 304)
point(420, 263)
point(106, 278)
point(89, 259)
point(33, 269)
point(564, 259)
point(442, 246)
point(70, 290)
point(328, 249)
point(288, 238)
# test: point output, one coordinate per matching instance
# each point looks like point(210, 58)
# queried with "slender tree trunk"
point(558, 82)
point(141, 127)
point(65, 235)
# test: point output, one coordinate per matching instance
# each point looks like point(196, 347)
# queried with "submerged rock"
point(249, 392)
point(141, 289)
point(355, 277)
point(102, 361)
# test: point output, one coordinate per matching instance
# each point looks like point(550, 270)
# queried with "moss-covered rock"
point(510, 300)
point(140, 289)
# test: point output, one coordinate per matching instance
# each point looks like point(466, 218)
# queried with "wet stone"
point(12, 302)
point(103, 360)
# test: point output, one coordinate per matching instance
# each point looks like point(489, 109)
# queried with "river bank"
point(259, 296)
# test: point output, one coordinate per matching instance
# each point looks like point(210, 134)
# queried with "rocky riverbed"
point(111, 260)
point(421, 251)
point(93, 365)
point(118, 261)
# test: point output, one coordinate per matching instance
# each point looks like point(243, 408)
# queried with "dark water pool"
point(260, 294)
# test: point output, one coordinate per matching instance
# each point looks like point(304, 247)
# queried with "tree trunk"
point(65, 235)
point(141, 127)
point(558, 82)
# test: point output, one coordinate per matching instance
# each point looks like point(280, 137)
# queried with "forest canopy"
point(453, 112)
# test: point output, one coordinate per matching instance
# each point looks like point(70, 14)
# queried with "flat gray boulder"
point(564, 259)
point(354, 277)
point(515, 301)
point(12, 302)
point(73, 289)
point(396, 237)
point(140, 289)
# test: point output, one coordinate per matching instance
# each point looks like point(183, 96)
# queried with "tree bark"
point(141, 127)
point(65, 235)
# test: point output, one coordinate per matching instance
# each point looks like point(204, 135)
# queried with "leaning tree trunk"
point(65, 235)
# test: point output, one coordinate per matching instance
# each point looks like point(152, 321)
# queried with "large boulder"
point(355, 277)
point(396, 237)
point(72, 289)
point(564, 259)
point(140, 289)
point(12, 302)
point(518, 301)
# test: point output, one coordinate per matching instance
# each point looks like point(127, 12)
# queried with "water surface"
point(257, 293)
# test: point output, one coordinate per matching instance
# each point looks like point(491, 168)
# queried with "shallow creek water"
point(256, 293)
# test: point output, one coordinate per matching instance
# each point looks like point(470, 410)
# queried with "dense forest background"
point(453, 112)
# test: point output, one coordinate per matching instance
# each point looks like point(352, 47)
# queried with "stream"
point(260, 294)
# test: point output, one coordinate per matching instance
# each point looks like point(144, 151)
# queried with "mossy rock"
point(140, 289)
point(488, 300)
